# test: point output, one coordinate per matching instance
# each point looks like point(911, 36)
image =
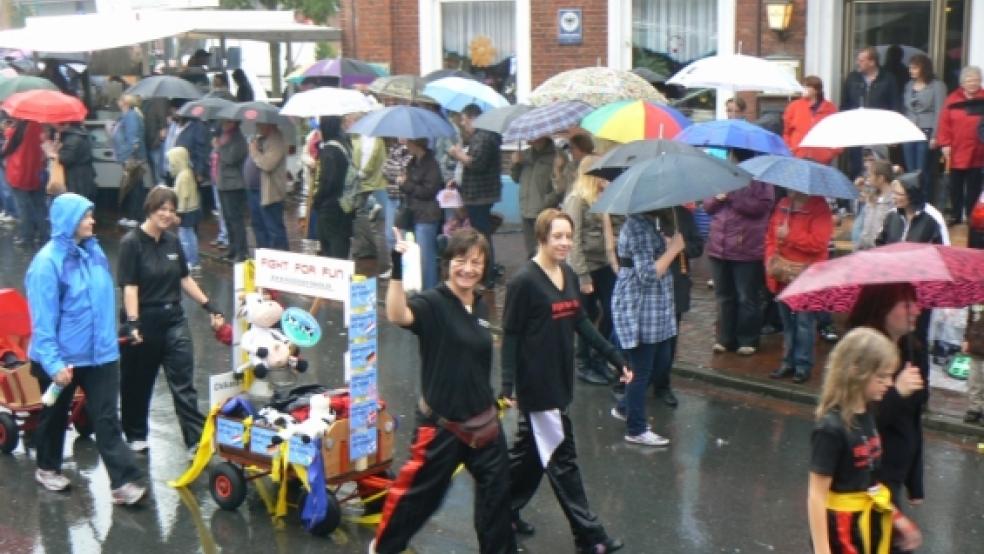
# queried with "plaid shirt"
point(642, 303)
point(397, 159)
point(481, 182)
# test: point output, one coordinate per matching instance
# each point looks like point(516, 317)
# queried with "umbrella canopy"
point(442, 73)
point(630, 120)
point(15, 317)
point(251, 113)
point(406, 87)
point(801, 175)
point(23, 83)
point(734, 133)
point(623, 156)
point(323, 101)
point(943, 276)
point(405, 122)
point(669, 180)
point(649, 75)
point(596, 86)
point(862, 127)
point(546, 120)
point(164, 86)
point(348, 71)
point(44, 106)
point(454, 93)
point(737, 72)
point(205, 109)
point(499, 119)
point(295, 77)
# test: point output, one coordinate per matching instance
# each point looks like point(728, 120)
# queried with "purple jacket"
point(739, 223)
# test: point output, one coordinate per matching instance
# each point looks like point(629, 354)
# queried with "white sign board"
point(222, 387)
point(316, 276)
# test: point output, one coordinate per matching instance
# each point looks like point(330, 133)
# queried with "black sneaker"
point(801, 377)
point(522, 527)
point(590, 376)
point(829, 333)
point(608, 545)
point(667, 396)
point(781, 373)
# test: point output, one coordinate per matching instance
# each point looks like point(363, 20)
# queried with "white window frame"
point(432, 51)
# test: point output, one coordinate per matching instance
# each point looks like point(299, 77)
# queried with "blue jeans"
point(7, 203)
point(156, 158)
point(389, 212)
point(798, 335)
point(650, 362)
point(267, 222)
point(256, 219)
point(33, 215)
point(426, 236)
point(189, 243)
point(312, 224)
point(223, 232)
point(916, 155)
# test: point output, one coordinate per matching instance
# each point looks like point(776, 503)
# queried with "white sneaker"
point(6, 218)
point(139, 446)
point(617, 414)
point(647, 438)
point(386, 274)
point(128, 494)
point(746, 350)
point(51, 480)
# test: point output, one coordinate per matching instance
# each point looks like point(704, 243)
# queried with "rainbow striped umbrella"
point(629, 120)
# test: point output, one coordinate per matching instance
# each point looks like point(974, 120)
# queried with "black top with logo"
point(455, 353)
point(156, 267)
point(848, 455)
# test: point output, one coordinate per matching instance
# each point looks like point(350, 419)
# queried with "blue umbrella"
point(800, 175)
point(734, 133)
point(454, 93)
point(545, 121)
point(404, 122)
point(667, 180)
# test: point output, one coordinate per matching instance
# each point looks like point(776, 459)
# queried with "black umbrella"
point(498, 119)
point(251, 113)
point(205, 109)
point(442, 73)
point(670, 179)
point(165, 86)
point(620, 158)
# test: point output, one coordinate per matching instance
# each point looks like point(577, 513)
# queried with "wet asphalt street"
point(733, 480)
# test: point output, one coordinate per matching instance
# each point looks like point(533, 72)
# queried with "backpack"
point(351, 186)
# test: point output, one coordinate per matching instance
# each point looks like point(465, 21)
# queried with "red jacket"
point(797, 121)
point(23, 165)
point(958, 130)
point(810, 229)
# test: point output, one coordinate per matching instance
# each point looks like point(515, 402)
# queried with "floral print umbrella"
point(596, 86)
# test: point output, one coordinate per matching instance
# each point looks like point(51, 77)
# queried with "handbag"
point(783, 269)
point(477, 431)
point(56, 178)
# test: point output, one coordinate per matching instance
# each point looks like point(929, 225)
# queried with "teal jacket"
point(71, 296)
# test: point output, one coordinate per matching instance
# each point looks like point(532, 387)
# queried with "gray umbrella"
point(620, 158)
point(498, 119)
point(205, 109)
point(164, 86)
point(670, 179)
point(649, 75)
point(251, 113)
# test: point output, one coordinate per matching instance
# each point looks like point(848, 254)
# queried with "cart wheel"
point(333, 515)
point(228, 485)
point(375, 506)
point(9, 433)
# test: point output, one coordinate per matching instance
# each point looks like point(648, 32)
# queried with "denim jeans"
point(917, 158)
point(649, 362)
point(7, 203)
point(480, 216)
point(389, 212)
point(267, 222)
point(426, 236)
point(33, 215)
point(736, 289)
point(799, 332)
point(189, 243)
point(223, 231)
point(155, 156)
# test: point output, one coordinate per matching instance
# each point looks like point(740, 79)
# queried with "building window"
point(479, 36)
point(669, 34)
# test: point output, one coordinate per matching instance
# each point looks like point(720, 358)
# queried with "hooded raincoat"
point(185, 186)
point(70, 294)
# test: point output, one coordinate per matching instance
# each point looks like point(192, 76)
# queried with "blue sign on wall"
point(569, 26)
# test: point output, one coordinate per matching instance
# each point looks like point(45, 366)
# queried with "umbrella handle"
point(684, 270)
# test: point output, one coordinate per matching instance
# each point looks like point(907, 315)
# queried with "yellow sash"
point(880, 500)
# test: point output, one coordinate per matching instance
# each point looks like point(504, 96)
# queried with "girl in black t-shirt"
point(849, 511)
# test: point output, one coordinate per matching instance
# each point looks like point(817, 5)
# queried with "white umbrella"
point(737, 72)
point(323, 101)
point(454, 93)
point(862, 127)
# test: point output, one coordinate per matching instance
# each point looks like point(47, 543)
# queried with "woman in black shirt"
point(909, 222)
point(334, 158)
point(152, 272)
point(846, 451)
point(543, 311)
point(451, 323)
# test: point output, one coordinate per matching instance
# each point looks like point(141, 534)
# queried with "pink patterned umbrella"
point(943, 276)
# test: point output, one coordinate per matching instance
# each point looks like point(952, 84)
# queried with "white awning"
point(89, 32)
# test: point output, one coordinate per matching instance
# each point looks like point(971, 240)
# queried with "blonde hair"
point(133, 102)
point(856, 358)
point(587, 187)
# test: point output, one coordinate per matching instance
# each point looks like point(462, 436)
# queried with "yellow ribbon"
point(249, 285)
point(865, 502)
point(206, 448)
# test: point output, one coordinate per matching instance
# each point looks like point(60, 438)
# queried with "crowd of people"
point(600, 298)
